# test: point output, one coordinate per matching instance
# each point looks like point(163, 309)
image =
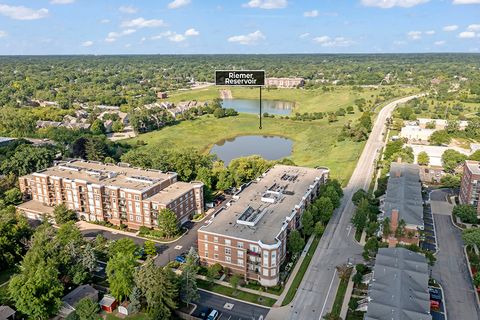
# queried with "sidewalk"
point(348, 295)
point(226, 284)
point(294, 273)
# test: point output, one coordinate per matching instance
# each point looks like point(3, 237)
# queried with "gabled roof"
point(399, 288)
point(80, 292)
point(404, 193)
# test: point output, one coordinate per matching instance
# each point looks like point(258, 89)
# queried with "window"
point(240, 262)
point(139, 218)
point(240, 253)
point(240, 244)
point(137, 198)
point(265, 258)
point(273, 272)
point(228, 242)
point(206, 246)
point(131, 217)
point(122, 194)
point(265, 272)
point(228, 259)
point(254, 248)
point(215, 248)
point(206, 254)
point(205, 236)
point(215, 239)
point(215, 256)
point(228, 251)
point(274, 258)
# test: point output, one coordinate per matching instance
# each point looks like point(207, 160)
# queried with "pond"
point(252, 106)
point(268, 147)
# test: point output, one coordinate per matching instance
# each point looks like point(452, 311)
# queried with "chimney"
point(394, 220)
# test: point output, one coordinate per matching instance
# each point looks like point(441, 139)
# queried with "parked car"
point(180, 258)
point(204, 312)
point(435, 305)
point(213, 315)
point(434, 296)
point(434, 290)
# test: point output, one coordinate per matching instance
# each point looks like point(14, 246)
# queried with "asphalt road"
point(239, 311)
point(451, 268)
point(316, 293)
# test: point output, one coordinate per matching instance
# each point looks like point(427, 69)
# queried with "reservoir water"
point(268, 147)
point(252, 106)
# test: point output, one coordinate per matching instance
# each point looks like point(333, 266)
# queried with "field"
point(314, 142)
point(305, 100)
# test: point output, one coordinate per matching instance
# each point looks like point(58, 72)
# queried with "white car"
point(213, 315)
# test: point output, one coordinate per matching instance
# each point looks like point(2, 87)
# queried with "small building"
point(435, 153)
point(7, 313)
point(439, 124)
point(469, 187)
point(73, 298)
point(398, 289)
point(162, 95)
point(285, 82)
point(47, 124)
point(108, 303)
point(416, 134)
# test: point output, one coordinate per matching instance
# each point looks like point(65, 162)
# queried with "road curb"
point(471, 276)
point(239, 300)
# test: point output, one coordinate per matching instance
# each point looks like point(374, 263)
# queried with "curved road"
point(316, 293)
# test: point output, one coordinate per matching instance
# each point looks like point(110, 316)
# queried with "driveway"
point(240, 310)
point(451, 267)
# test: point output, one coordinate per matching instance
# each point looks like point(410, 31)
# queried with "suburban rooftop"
point(121, 175)
point(399, 290)
point(172, 192)
point(404, 193)
point(473, 166)
point(259, 211)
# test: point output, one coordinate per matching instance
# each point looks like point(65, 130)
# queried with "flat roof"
point(399, 288)
point(473, 166)
point(121, 176)
point(172, 192)
point(36, 206)
point(267, 218)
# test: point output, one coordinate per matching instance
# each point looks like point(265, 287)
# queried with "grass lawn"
point(305, 100)
point(277, 290)
point(337, 304)
point(138, 316)
point(301, 272)
point(314, 143)
point(241, 295)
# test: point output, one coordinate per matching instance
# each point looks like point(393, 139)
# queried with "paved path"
point(226, 284)
point(451, 267)
point(317, 291)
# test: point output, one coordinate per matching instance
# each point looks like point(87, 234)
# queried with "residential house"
point(70, 301)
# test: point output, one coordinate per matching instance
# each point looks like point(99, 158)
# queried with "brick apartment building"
point(249, 236)
point(469, 185)
point(106, 192)
point(284, 82)
point(403, 201)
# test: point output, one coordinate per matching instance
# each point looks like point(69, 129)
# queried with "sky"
point(43, 27)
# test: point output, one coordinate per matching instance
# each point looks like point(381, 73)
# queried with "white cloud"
point(450, 28)
point(466, 1)
point(104, 21)
point(3, 34)
point(473, 27)
point(170, 35)
point(178, 3)
point(311, 14)
point(248, 39)
point(466, 35)
point(87, 43)
point(113, 36)
point(304, 35)
point(439, 43)
point(62, 1)
point(430, 32)
point(128, 9)
point(326, 41)
point(191, 32)
point(143, 23)
point(22, 13)
point(386, 4)
point(266, 4)
point(414, 35)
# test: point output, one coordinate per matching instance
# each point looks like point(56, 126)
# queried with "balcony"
point(253, 253)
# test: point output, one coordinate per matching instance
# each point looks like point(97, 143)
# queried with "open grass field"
point(314, 143)
point(305, 100)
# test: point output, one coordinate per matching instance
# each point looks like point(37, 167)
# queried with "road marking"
point(178, 247)
point(349, 228)
point(328, 293)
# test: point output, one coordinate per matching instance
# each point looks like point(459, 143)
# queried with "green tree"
point(14, 235)
point(371, 248)
point(466, 212)
point(234, 282)
point(168, 223)
point(450, 181)
point(120, 275)
point(423, 159)
point(87, 309)
point(135, 297)
point(471, 237)
point(295, 242)
point(63, 215)
point(125, 246)
point(358, 196)
point(117, 126)
point(331, 193)
point(213, 272)
point(440, 137)
point(451, 159)
point(324, 210)
point(12, 196)
point(27, 159)
point(319, 229)
point(360, 216)
point(400, 231)
point(97, 127)
point(219, 113)
point(188, 281)
point(37, 291)
point(157, 288)
point(387, 230)
point(308, 224)
point(149, 248)
point(357, 278)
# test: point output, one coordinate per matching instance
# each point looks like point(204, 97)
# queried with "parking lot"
point(429, 239)
point(436, 295)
